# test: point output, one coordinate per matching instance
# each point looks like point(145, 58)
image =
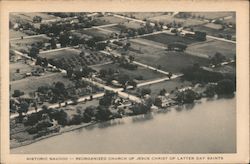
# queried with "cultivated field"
point(169, 61)
point(29, 16)
point(211, 47)
point(67, 58)
point(167, 38)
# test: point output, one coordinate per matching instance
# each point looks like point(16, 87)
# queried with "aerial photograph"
point(122, 82)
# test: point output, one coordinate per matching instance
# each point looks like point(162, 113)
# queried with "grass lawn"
point(169, 61)
point(211, 47)
point(64, 53)
point(167, 85)
point(31, 84)
point(167, 38)
point(16, 34)
point(24, 68)
point(140, 71)
point(23, 45)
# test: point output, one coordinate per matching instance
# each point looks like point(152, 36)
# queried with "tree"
point(103, 73)
point(53, 43)
point(131, 58)
point(106, 100)
point(37, 19)
point(163, 92)
point(123, 79)
point(24, 106)
point(217, 58)
point(103, 113)
point(89, 112)
point(17, 93)
point(170, 75)
point(187, 96)
point(33, 51)
point(225, 86)
point(145, 91)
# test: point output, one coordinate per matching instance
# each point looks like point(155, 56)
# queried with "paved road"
point(116, 90)
point(28, 37)
point(32, 78)
point(158, 80)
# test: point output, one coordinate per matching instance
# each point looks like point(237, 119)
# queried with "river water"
point(206, 127)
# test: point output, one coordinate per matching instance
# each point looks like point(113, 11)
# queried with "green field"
point(141, 15)
point(63, 53)
point(166, 19)
point(213, 15)
point(93, 32)
point(140, 71)
point(24, 68)
point(32, 83)
point(167, 85)
point(169, 61)
point(23, 45)
point(16, 34)
point(214, 32)
point(211, 47)
point(167, 38)
point(111, 19)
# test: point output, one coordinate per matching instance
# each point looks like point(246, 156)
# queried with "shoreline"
point(83, 125)
point(69, 129)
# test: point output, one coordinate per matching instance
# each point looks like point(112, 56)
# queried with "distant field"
point(214, 32)
point(169, 61)
point(64, 53)
point(29, 16)
point(167, 38)
point(111, 19)
point(23, 45)
point(212, 15)
point(170, 19)
point(142, 15)
point(211, 47)
point(140, 71)
point(113, 28)
point(16, 34)
point(31, 84)
point(213, 26)
point(167, 85)
point(94, 33)
point(133, 24)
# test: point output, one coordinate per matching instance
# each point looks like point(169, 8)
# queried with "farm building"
point(177, 46)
